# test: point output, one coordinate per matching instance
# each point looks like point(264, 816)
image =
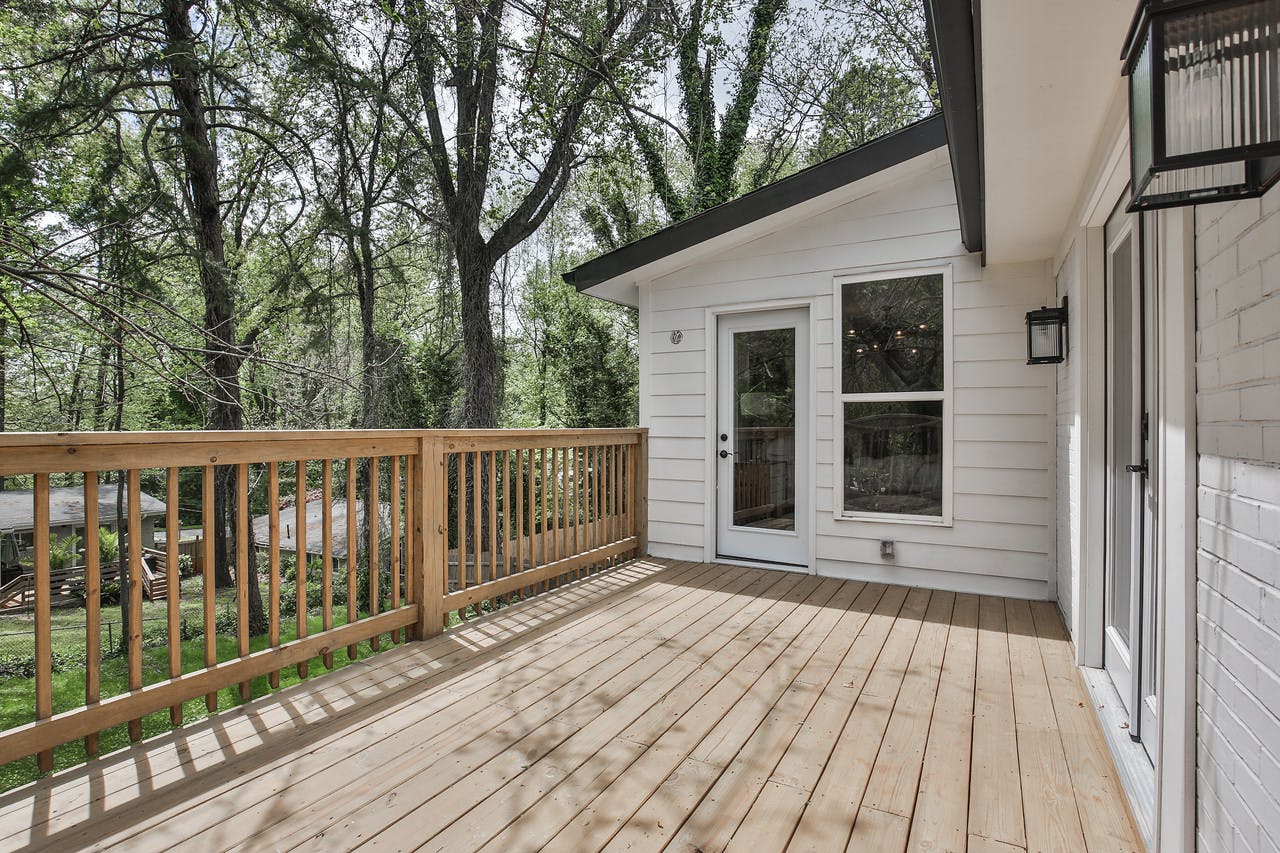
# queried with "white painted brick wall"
point(1238, 535)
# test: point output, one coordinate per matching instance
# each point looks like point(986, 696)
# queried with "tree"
point(519, 85)
point(712, 144)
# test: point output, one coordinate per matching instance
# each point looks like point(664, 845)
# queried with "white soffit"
point(1049, 71)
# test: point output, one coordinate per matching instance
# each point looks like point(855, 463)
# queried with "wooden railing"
point(466, 521)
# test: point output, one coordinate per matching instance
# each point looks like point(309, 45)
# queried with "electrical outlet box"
point(886, 549)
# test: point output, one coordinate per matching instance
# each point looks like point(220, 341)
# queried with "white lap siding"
point(1002, 539)
point(1238, 555)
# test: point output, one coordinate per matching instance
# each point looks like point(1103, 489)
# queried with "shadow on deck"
point(657, 705)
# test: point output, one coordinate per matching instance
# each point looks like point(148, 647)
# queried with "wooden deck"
point(658, 705)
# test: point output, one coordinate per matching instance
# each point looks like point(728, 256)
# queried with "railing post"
point(430, 552)
point(642, 493)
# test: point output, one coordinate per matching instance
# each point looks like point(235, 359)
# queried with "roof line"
point(954, 35)
point(841, 170)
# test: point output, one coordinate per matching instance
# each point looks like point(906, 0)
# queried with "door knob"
point(1137, 469)
point(725, 454)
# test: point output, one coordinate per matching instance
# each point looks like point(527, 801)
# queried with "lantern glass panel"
point(1045, 339)
point(1140, 118)
point(1219, 67)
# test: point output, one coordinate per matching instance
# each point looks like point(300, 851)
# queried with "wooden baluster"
point(326, 559)
point(410, 539)
point(134, 503)
point(597, 490)
point(352, 596)
point(43, 605)
point(610, 483)
point(582, 456)
point(573, 492)
point(506, 515)
point(593, 496)
point(559, 516)
point(520, 528)
point(543, 533)
point(477, 540)
point(395, 540)
point(300, 557)
point(631, 488)
point(493, 518)
point(589, 498)
point(464, 481)
point(173, 595)
point(206, 571)
point(375, 512)
point(273, 562)
point(617, 492)
point(92, 603)
point(242, 568)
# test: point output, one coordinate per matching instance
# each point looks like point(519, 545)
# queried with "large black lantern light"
point(1047, 335)
point(1204, 100)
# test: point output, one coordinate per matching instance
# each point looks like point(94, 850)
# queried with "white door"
point(762, 437)
point(1129, 652)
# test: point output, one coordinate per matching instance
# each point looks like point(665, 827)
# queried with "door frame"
point(807, 529)
point(1173, 809)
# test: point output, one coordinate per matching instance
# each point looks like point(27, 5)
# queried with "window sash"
point(944, 395)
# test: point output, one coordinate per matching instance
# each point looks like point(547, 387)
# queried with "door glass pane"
point(764, 442)
point(1124, 451)
point(893, 457)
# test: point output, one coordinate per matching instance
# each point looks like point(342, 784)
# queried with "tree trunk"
point(479, 355)
point(216, 280)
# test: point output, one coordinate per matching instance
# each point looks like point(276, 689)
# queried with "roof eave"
point(839, 171)
point(952, 28)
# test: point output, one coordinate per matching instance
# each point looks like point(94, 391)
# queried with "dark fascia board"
point(843, 169)
point(953, 27)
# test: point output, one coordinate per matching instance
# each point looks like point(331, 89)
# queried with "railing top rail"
point(43, 439)
point(53, 452)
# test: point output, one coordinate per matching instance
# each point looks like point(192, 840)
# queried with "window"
point(893, 409)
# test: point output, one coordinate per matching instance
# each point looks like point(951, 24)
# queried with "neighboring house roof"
point(66, 507)
point(839, 171)
point(315, 527)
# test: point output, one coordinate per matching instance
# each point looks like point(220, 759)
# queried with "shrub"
point(108, 545)
point(62, 551)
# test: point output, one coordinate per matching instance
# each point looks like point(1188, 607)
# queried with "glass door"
point(761, 447)
point(1130, 578)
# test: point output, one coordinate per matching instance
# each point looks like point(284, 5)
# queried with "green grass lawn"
point(67, 623)
point(17, 695)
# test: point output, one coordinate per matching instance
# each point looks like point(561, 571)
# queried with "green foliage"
point(577, 365)
point(62, 551)
point(108, 545)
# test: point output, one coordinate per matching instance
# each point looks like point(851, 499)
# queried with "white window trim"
point(948, 385)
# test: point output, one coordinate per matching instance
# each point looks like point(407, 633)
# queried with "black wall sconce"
point(1204, 107)
point(1047, 335)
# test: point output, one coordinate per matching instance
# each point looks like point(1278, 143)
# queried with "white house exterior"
point(1168, 577)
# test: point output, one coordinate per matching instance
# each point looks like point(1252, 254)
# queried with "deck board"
point(660, 705)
